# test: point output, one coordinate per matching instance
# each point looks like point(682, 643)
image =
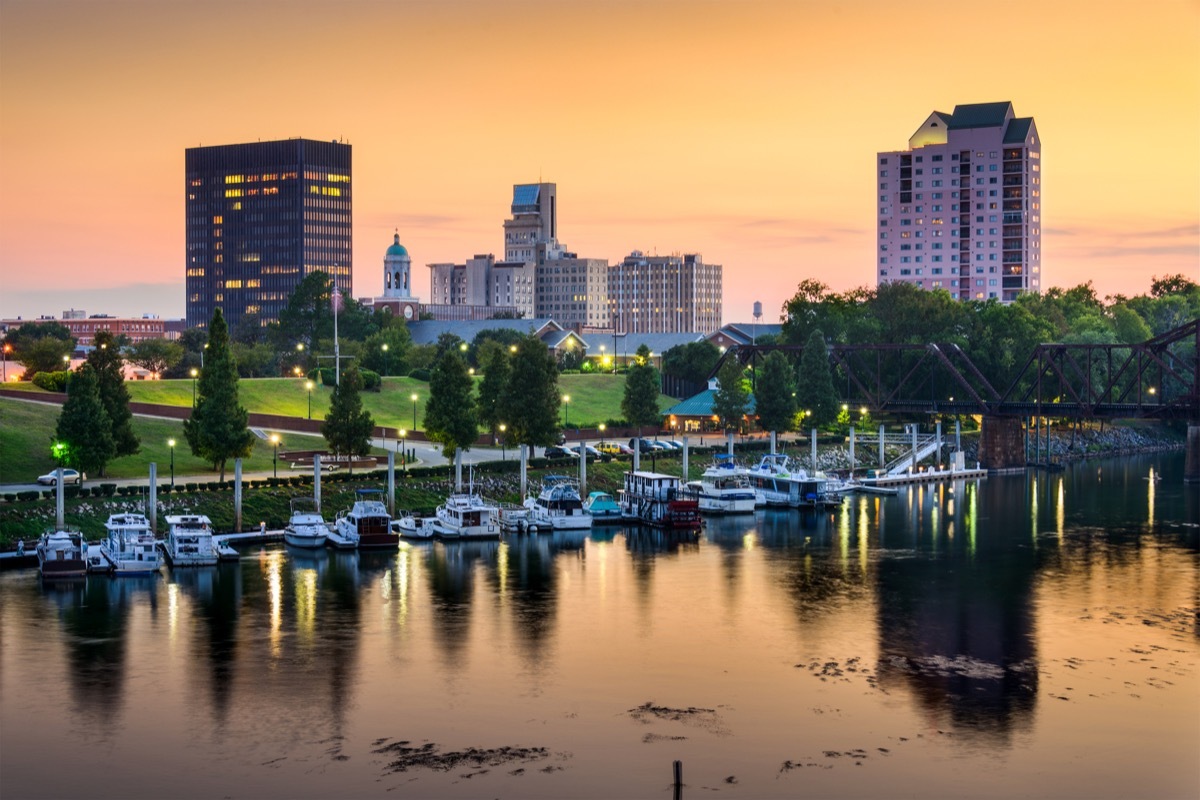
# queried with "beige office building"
point(665, 294)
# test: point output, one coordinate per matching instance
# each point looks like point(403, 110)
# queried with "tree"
point(84, 430)
point(217, 430)
point(308, 316)
point(814, 392)
point(347, 427)
point(692, 361)
point(775, 395)
point(394, 360)
point(529, 403)
point(106, 360)
point(1173, 284)
point(640, 401)
point(450, 415)
point(42, 355)
point(156, 355)
point(493, 358)
point(732, 397)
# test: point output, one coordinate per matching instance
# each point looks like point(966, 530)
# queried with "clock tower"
point(397, 282)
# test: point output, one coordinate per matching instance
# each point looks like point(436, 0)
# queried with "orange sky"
point(745, 131)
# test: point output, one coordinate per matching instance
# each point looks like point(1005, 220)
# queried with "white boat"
point(305, 528)
point(778, 482)
point(651, 498)
point(410, 526)
point(129, 546)
point(190, 541)
point(602, 507)
point(724, 488)
point(558, 507)
point(466, 516)
point(61, 554)
point(366, 524)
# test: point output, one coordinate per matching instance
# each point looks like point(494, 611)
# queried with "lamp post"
point(503, 451)
point(275, 457)
point(403, 450)
point(171, 444)
point(308, 385)
point(195, 372)
point(6, 351)
point(414, 399)
point(566, 410)
point(385, 359)
point(602, 427)
point(67, 369)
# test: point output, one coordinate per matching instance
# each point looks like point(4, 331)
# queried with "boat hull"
point(305, 540)
point(64, 568)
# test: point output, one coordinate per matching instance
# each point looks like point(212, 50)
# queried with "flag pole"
point(337, 347)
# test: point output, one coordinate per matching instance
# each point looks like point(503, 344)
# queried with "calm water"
point(1025, 635)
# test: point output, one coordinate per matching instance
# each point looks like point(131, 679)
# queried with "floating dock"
point(922, 476)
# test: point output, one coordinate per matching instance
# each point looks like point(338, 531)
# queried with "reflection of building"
point(665, 294)
point(261, 217)
point(960, 210)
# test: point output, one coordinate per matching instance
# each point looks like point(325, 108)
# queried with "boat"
point(778, 482)
point(651, 498)
point(466, 516)
point(602, 507)
point(190, 541)
point(129, 546)
point(61, 554)
point(367, 523)
point(558, 506)
point(724, 488)
point(410, 526)
point(305, 528)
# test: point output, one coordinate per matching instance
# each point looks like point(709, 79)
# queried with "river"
point(1025, 635)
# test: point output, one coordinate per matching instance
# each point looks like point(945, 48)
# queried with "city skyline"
point(745, 132)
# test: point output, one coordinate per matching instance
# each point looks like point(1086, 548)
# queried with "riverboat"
point(129, 546)
point(190, 541)
point(558, 506)
point(602, 507)
point(651, 498)
point(306, 527)
point(61, 554)
point(777, 482)
point(367, 524)
point(466, 516)
point(724, 488)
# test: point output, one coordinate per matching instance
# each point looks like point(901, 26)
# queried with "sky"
point(744, 131)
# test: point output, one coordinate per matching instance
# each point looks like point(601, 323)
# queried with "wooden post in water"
point(152, 498)
point(938, 431)
point(958, 435)
point(524, 471)
point(882, 454)
point(317, 482)
point(458, 470)
point(851, 451)
point(729, 443)
point(678, 769)
point(583, 470)
point(60, 511)
point(772, 442)
point(391, 481)
point(637, 454)
point(685, 459)
point(237, 495)
point(814, 449)
point(913, 468)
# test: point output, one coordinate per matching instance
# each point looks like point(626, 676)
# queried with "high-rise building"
point(260, 217)
point(960, 210)
point(665, 294)
point(573, 291)
point(534, 221)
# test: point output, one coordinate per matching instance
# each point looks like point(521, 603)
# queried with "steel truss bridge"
point(1159, 378)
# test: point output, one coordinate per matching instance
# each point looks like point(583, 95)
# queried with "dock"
point(922, 476)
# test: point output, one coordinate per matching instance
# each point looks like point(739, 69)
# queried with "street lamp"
point(385, 359)
point(275, 458)
point(403, 450)
point(308, 385)
point(602, 427)
point(171, 444)
point(7, 349)
point(195, 373)
point(566, 410)
point(414, 399)
point(503, 451)
point(67, 369)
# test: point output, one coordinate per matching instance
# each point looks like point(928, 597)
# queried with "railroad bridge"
point(1158, 378)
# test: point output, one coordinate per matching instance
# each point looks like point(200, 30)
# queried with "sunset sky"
point(745, 131)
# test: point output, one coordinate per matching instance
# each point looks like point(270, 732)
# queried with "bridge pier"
point(1002, 444)
point(1191, 464)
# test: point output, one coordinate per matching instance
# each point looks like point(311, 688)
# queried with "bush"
point(31, 495)
point(10, 498)
point(166, 488)
point(106, 489)
point(51, 381)
point(191, 487)
point(371, 380)
point(420, 374)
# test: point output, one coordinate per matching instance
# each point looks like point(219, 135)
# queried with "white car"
point(69, 476)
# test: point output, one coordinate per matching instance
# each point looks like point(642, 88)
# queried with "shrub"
point(191, 487)
point(107, 489)
point(166, 488)
point(51, 381)
point(420, 374)
point(10, 498)
point(30, 495)
point(371, 380)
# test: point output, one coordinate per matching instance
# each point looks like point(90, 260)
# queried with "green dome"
point(397, 249)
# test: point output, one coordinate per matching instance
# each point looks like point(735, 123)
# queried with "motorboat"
point(724, 488)
point(190, 541)
point(410, 526)
point(129, 546)
point(367, 523)
point(778, 482)
point(602, 507)
point(306, 527)
point(558, 506)
point(466, 516)
point(651, 498)
point(62, 554)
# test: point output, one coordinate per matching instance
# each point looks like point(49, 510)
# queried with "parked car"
point(593, 452)
point(560, 452)
point(615, 449)
point(671, 444)
point(646, 445)
point(69, 476)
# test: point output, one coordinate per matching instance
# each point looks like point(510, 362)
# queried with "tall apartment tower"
point(534, 221)
point(260, 217)
point(665, 294)
point(960, 209)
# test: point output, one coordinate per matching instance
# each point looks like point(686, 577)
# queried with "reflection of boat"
point(190, 541)
point(306, 528)
point(61, 554)
point(558, 506)
point(410, 526)
point(778, 482)
point(367, 523)
point(130, 546)
point(724, 488)
point(602, 507)
point(652, 498)
point(466, 516)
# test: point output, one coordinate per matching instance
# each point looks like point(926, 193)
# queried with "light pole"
point(385, 359)
point(308, 385)
point(566, 410)
point(403, 450)
point(414, 399)
point(171, 444)
point(503, 451)
point(275, 458)
point(602, 427)
point(7, 350)
point(67, 369)
point(195, 373)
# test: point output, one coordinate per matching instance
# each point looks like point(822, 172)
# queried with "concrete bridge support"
point(1191, 465)
point(1002, 444)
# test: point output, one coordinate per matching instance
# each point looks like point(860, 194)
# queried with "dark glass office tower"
point(260, 217)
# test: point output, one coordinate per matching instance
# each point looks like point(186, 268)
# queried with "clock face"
point(408, 312)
